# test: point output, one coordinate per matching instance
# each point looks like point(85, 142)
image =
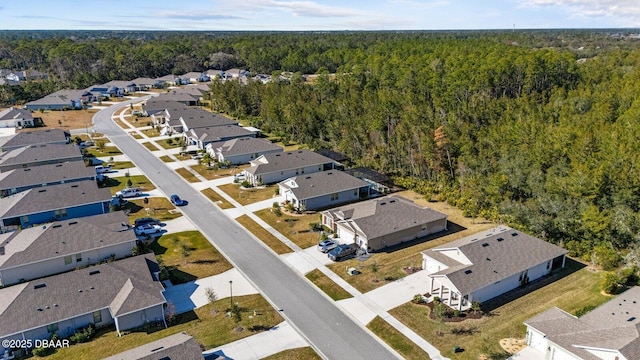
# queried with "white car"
point(129, 192)
point(147, 229)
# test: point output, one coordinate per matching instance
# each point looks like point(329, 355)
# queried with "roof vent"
point(514, 234)
point(631, 318)
point(488, 259)
point(468, 272)
point(329, 173)
point(39, 286)
point(500, 239)
point(40, 309)
point(59, 165)
point(94, 272)
point(27, 169)
point(485, 244)
point(74, 186)
point(383, 203)
point(55, 305)
point(392, 201)
point(73, 223)
point(79, 290)
point(43, 190)
point(56, 226)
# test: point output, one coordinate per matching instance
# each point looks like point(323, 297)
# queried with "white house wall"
point(537, 340)
point(456, 255)
point(431, 266)
point(558, 353)
point(55, 266)
point(245, 158)
point(507, 284)
point(278, 176)
point(607, 355)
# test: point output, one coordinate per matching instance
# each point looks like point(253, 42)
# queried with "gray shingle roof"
point(38, 153)
point(38, 137)
point(155, 105)
point(384, 215)
point(322, 183)
point(62, 98)
point(219, 133)
point(495, 254)
point(246, 145)
point(80, 292)
point(67, 237)
point(36, 175)
point(15, 113)
point(195, 118)
point(53, 197)
point(615, 326)
point(180, 97)
point(269, 163)
point(179, 346)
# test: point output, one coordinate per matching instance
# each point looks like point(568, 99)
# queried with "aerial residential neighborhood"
point(154, 218)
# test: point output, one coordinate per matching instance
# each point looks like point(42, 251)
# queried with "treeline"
point(536, 129)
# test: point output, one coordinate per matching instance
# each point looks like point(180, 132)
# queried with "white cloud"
point(625, 12)
point(296, 8)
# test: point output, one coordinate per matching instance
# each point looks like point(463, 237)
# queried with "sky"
point(259, 15)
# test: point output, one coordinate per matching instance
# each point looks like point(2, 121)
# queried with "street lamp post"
point(231, 293)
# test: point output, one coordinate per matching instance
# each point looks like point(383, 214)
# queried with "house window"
point(78, 257)
point(52, 328)
point(97, 317)
point(548, 264)
point(67, 260)
point(25, 219)
point(61, 213)
point(334, 196)
point(297, 171)
point(302, 170)
point(355, 192)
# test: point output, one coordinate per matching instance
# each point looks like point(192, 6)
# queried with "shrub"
point(436, 299)
point(245, 184)
point(456, 313)
point(610, 283)
point(417, 299)
point(276, 192)
point(83, 335)
point(583, 310)
point(316, 227)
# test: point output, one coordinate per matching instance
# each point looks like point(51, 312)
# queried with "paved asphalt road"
point(332, 333)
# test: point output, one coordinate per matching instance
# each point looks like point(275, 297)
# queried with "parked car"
point(86, 144)
point(136, 113)
point(240, 177)
point(146, 220)
point(197, 156)
point(101, 169)
point(342, 252)
point(175, 200)
point(147, 229)
point(129, 192)
point(326, 246)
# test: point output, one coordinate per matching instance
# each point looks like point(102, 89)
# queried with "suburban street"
point(333, 334)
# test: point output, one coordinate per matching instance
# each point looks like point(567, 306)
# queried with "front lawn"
point(149, 145)
point(212, 174)
point(578, 288)
point(394, 338)
point(166, 158)
point(187, 175)
point(121, 165)
point(295, 227)
point(105, 151)
point(248, 196)
point(151, 132)
point(217, 199)
point(189, 256)
point(158, 207)
point(208, 325)
point(118, 183)
point(265, 236)
point(324, 283)
point(170, 143)
point(303, 353)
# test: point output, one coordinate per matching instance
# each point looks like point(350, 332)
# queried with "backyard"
point(294, 227)
point(246, 196)
point(188, 256)
point(579, 288)
point(208, 325)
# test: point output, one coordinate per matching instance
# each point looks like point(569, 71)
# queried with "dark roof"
point(15, 113)
point(369, 174)
point(334, 155)
point(38, 137)
point(615, 326)
point(195, 118)
point(180, 97)
point(269, 163)
point(317, 184)
point(38, 153)
point(53, 197)
point(246, 145)
point(219, 133)
point(63, 238)
point(494, 255)
point(48, 173)
point(155, 105)
point(382, 216)
point(122, 286)
point(61, 98)
point(179, 346)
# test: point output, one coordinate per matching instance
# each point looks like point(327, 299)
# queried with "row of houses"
point(65, 258)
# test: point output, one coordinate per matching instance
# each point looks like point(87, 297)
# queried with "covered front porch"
point(448, 295)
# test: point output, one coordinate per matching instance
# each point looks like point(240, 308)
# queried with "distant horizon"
point(327, 31)
point(319, 15)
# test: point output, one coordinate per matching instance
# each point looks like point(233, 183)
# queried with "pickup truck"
point(342, 252)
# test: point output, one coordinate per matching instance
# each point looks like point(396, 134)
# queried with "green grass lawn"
point(295, 227)
point(261, 233)
point(151, 132)
point(304, 353)
point(106, 151)
point(121, 165)
point(159, 208)
point(149, 145)
point(217, 199)
point(208, 325)
point(199, 260)
point(327, 285)
point(118, 183)
point(136, 136)
point(575, 290)
point(170, 143)
point(211, 174)
point(400, 343)
point(248, 196)
point(166, 158)
point(187, 175)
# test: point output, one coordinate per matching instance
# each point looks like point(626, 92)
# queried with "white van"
point(129, 192)
point(103, 169)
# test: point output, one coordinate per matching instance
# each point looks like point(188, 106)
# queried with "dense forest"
point(539, 130)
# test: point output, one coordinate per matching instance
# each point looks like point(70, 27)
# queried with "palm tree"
point(206, 159)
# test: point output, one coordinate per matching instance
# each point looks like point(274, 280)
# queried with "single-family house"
point(167, 80)
point(36, 155)
point(16, 118)
point(197, 91)
point(195, 77)
point(25, 75)
point(30, 138)
point(483, 266)
point(272, 168)
point(185, 98)
point(123, 86)
point(126, 293)
point(144, 83)
point(236, 74)
point(609, 332)
point(105, 91)
point(8, 82)
point(381, 183)
point(63, 246)
point(182, 119)
point(155, 108)
point(242, 150)
point(263, 78)
point(203, 136)
point(383, 222)
point(323, 189)
point(214, 74)
point(62, 100)
point(18, 180)
point(178, 346)
point(53, 203)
